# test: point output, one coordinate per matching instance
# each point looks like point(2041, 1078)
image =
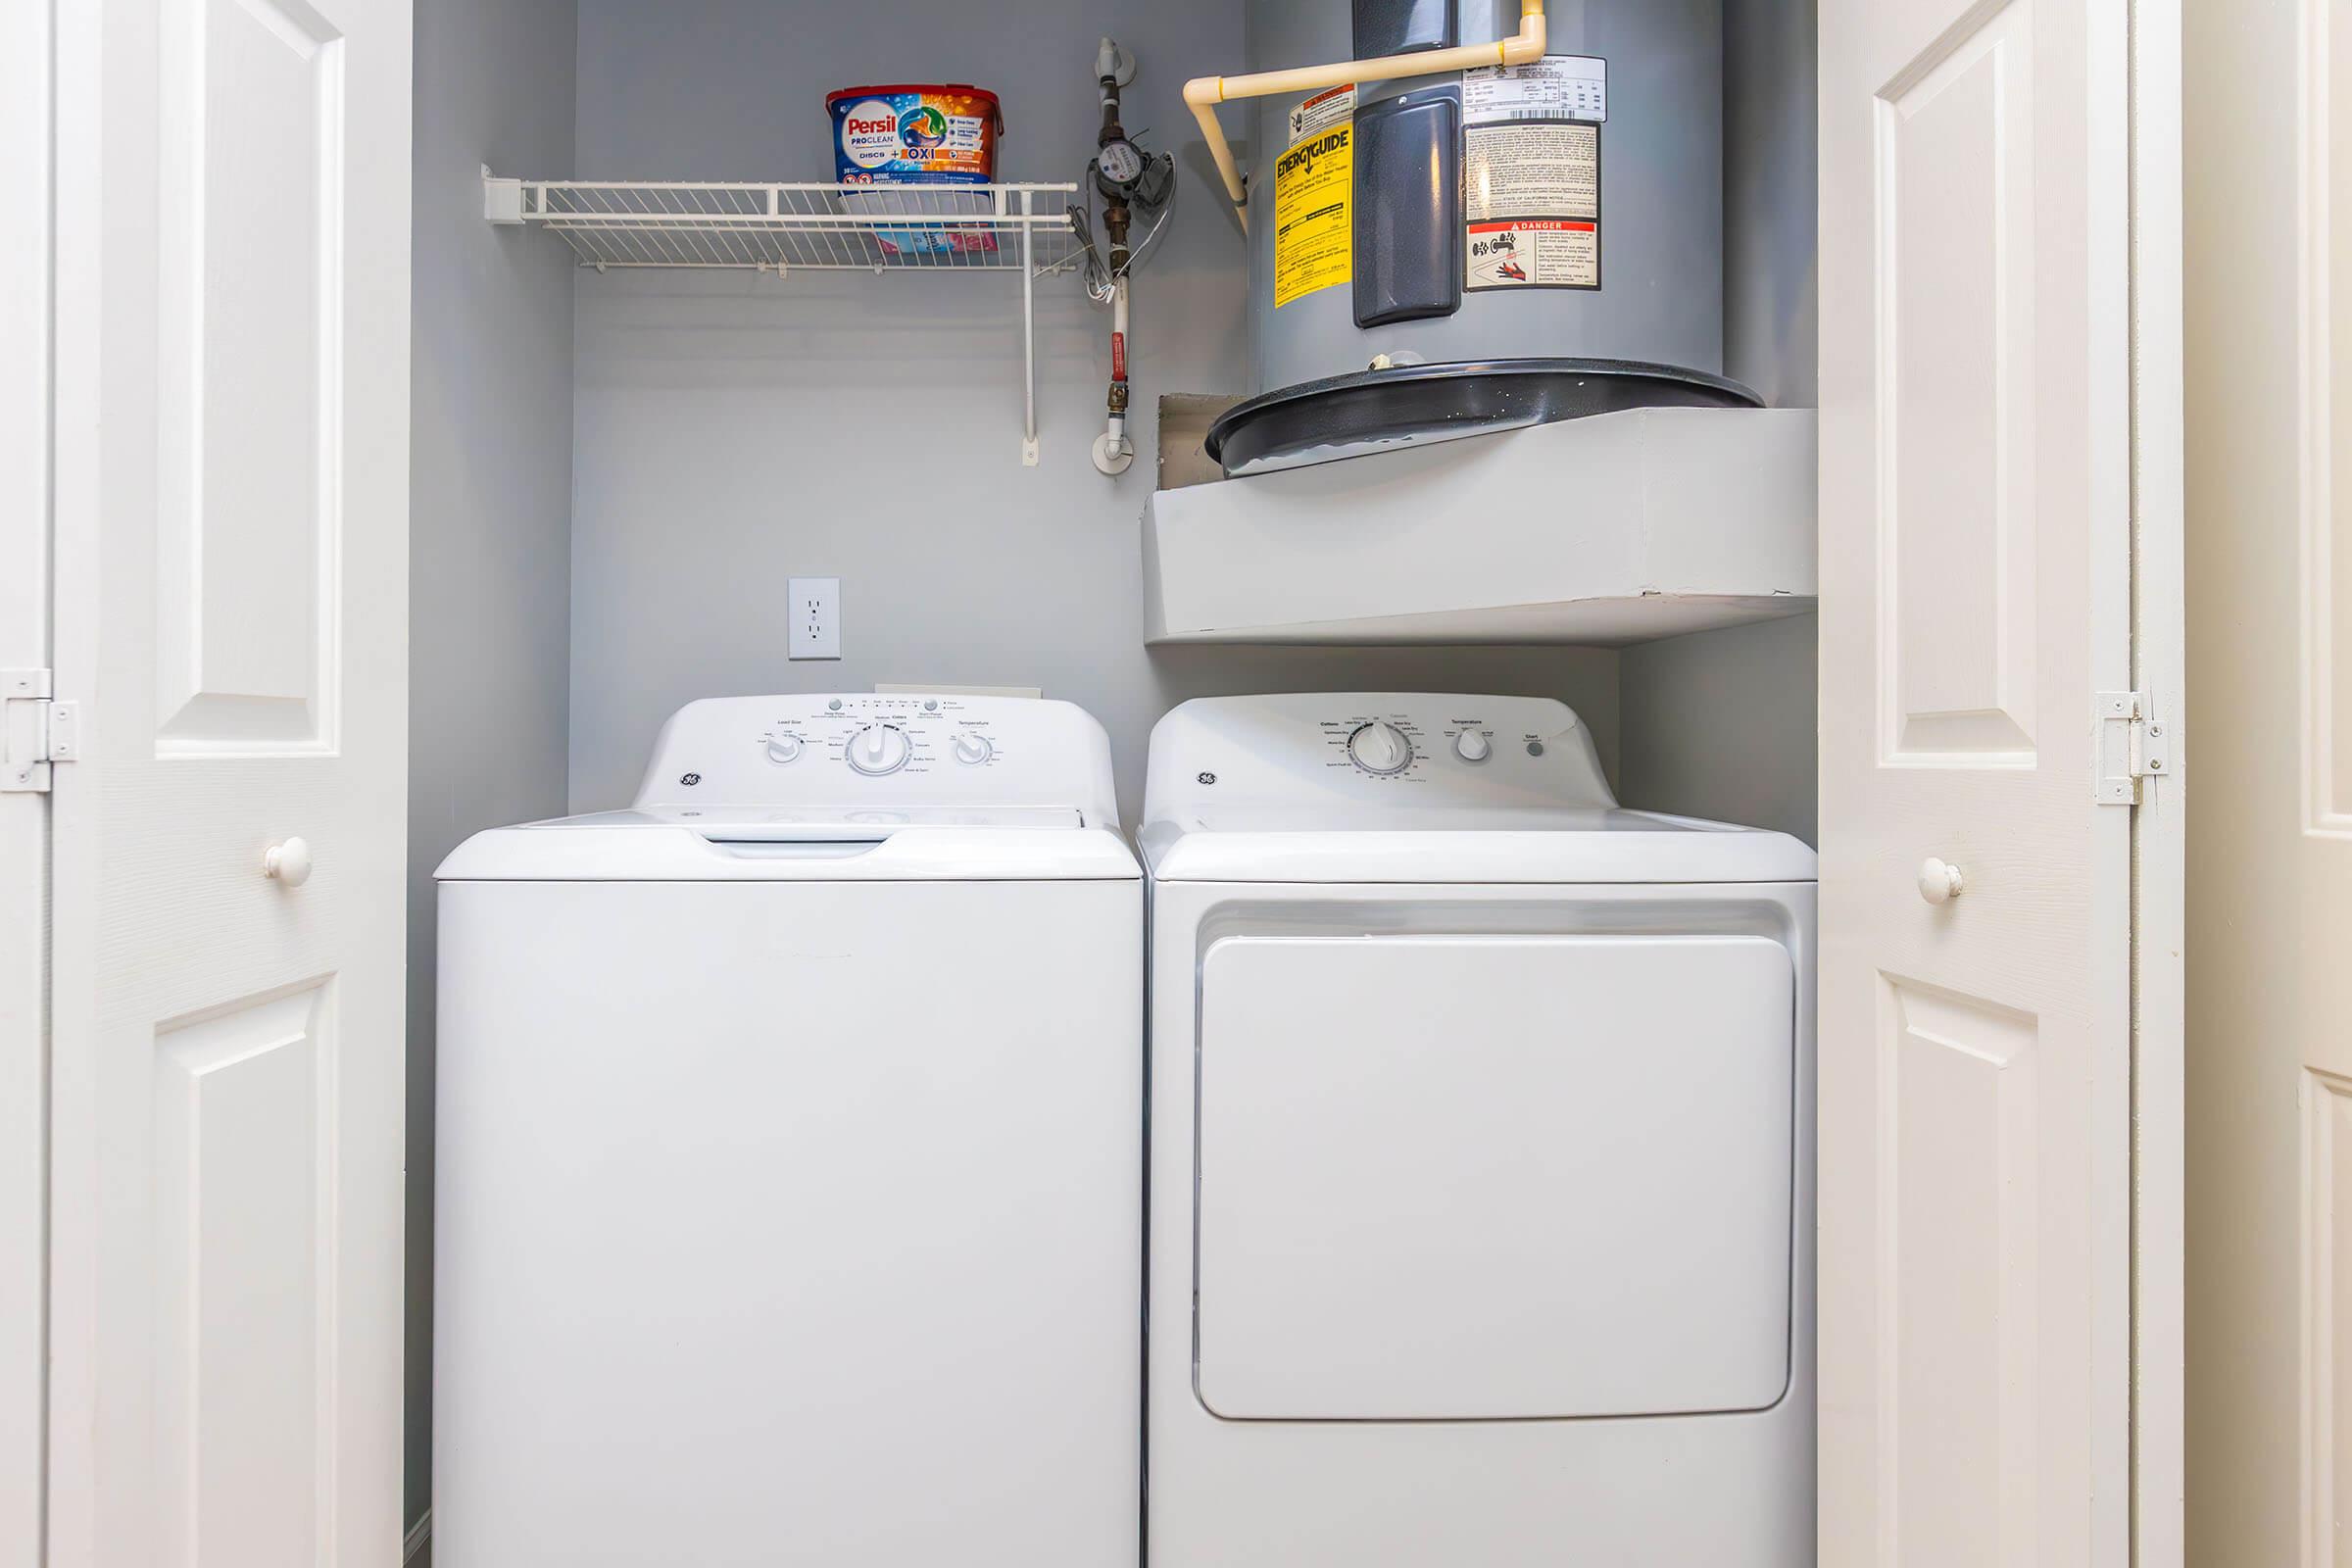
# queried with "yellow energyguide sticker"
point(1313, 237)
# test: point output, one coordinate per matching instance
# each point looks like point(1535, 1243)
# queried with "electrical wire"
point(1094, 269)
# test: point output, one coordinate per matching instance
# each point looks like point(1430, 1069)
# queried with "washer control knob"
point(1380, 748)
point(972, 746)
point(1472, 746)
point(877, 748)
point(784, 748)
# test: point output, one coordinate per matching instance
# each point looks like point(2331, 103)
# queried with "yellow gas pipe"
point(1202, 94)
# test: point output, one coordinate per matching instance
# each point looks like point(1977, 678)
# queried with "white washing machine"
point(789, 1180)
point(1481, 1147)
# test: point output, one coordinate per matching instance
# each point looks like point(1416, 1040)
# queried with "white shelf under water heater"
point(1612, 529)
point(1027, 232)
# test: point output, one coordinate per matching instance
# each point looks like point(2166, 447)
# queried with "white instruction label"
point(1554, 88)
point(1326, 108)
point(1547, 169)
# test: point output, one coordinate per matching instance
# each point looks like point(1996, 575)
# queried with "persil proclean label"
point(914, 134)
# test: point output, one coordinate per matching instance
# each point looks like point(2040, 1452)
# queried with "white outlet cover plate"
point(814, 630)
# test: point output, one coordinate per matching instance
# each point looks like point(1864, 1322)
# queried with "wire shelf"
point(783, 227)
point(1022, 231)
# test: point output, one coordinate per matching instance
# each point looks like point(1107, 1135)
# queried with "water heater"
point(1440, 255)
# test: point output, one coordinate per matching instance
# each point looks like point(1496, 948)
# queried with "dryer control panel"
point(1373, 755)
point(835, 748)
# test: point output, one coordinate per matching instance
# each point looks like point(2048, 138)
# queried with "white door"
point(1975, 594)
point(23, 814)
point(230, 596)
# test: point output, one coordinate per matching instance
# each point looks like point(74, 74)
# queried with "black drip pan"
point(1437, 402)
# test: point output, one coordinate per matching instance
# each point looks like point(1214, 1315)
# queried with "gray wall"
point(1721, 724)
point(490, 512)
point(734, 430)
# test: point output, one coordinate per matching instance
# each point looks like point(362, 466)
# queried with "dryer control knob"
point(1380, 748)
point(971, 746)
point(784, 748)
point(877, 748)
point(1472, 746)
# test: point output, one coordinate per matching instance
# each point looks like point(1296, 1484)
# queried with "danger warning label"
point(1534, 253)
point(1313, 236)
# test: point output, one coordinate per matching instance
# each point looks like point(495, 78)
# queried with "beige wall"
point(2264, 943)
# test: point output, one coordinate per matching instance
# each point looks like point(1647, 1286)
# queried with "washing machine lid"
point(837, 844)
point(807, 824)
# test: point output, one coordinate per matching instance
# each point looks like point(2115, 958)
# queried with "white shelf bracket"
point(502, 199)
point(1028, 338)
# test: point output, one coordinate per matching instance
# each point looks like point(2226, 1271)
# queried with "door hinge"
point(36, 731)
point(2134, 742)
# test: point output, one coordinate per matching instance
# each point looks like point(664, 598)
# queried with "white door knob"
point(289, 863)
point(1939, 881)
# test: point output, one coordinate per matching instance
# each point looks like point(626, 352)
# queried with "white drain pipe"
point(1202, 94)
point(1114, 452)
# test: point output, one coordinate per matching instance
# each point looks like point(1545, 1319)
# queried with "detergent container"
point(923, 141)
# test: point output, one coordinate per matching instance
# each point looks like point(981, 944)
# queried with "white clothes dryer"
point(789, 1174)
point(1481, 1155)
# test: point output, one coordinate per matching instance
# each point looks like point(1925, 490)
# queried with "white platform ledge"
point(1618, 528)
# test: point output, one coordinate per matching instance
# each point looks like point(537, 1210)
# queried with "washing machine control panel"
point(1403, 742)
point(842, 749)
point(1385, 750)
point(873, 737)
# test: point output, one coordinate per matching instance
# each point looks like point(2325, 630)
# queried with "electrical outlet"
point(815, 629)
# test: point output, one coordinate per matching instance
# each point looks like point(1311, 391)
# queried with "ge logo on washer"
point(1207, 778)
point(690, 778)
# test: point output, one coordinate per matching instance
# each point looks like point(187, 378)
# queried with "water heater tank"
point(1441, 255)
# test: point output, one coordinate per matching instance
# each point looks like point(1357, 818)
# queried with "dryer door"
point(1494, 1177)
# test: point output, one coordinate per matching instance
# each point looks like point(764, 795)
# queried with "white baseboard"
point(418, 1533)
